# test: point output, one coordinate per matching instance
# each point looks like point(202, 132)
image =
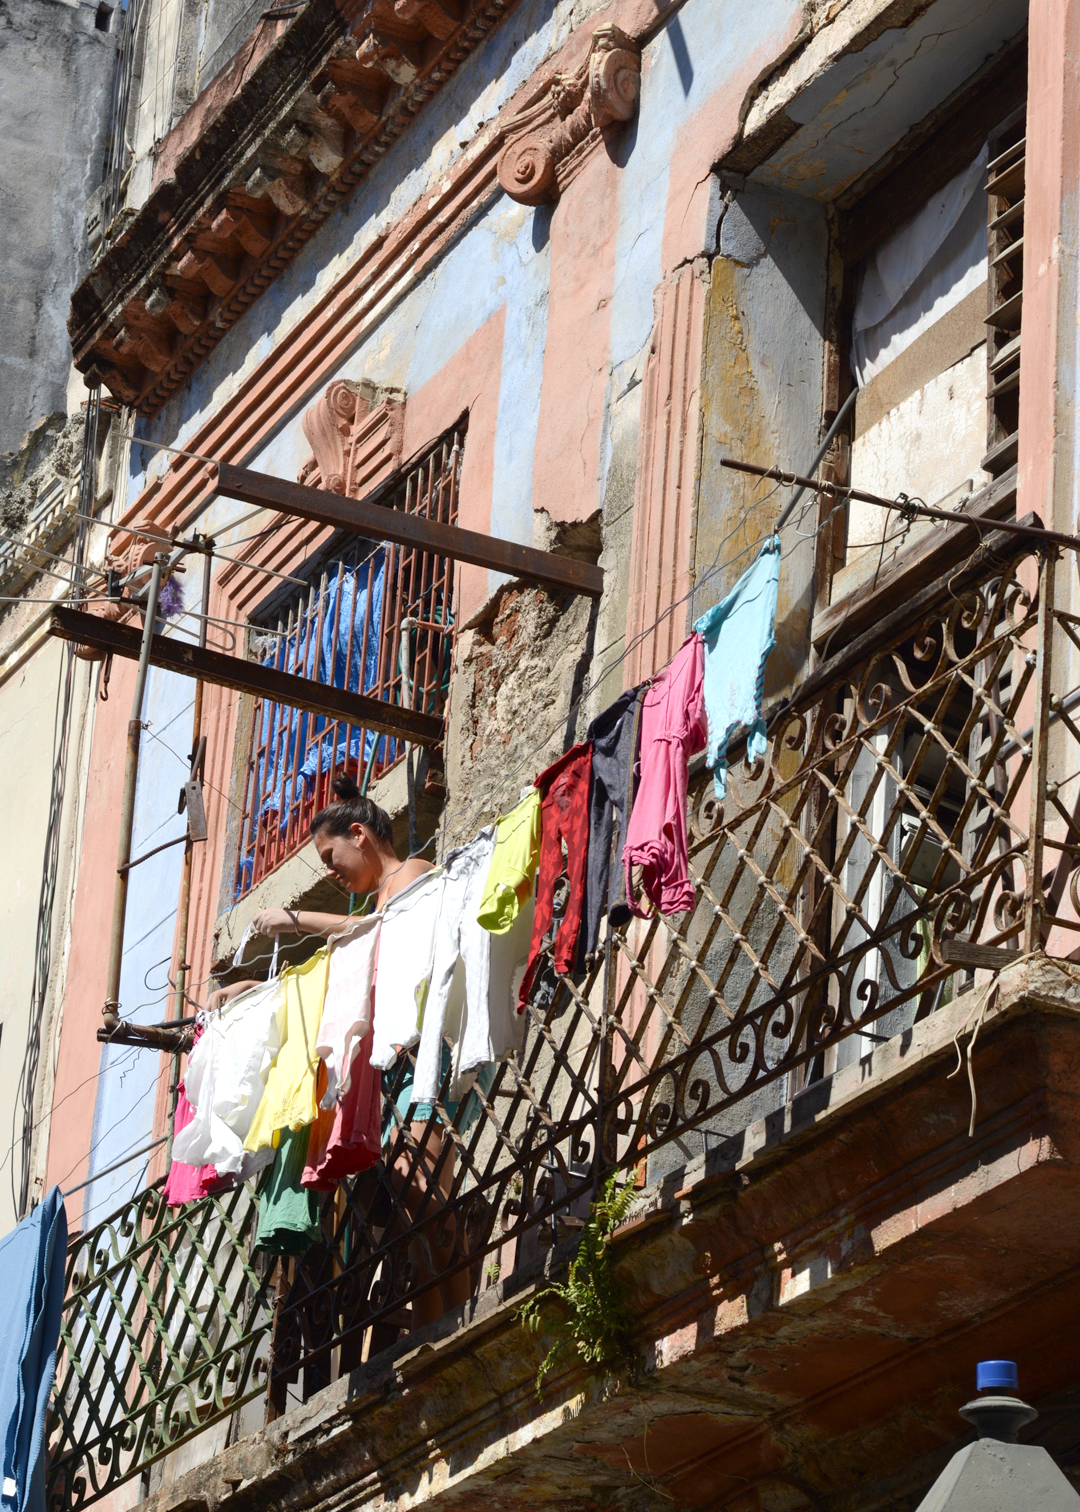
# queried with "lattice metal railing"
point(903, 813)
point(166, 1330)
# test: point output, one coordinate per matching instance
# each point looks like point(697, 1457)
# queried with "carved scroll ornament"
point(355, 432)
point(603, 91)
point(327, 426)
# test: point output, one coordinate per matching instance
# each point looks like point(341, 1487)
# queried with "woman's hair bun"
point(344, 787)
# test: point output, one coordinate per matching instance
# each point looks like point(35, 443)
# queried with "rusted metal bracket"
point(372, 518)
point(144, 1036)
point(913, 508)
point(250, 677)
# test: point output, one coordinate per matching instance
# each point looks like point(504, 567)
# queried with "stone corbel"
point(327, 425)
point(346, 423)
point(603, 91)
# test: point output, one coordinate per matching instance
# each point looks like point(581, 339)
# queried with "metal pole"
point(407, 624)
point(830, 436)
point(1035, 901)
point(180, 998)
point(912, 507)
point(110, 1012)
point(189, 849)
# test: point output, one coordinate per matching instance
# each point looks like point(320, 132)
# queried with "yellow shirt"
point(513, 865)
point(289, 1099)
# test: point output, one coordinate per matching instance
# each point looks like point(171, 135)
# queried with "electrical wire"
point(160, 446)
point(484, 805)
point(150, 1092)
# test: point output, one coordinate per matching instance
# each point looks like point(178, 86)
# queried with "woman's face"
point(349, 859)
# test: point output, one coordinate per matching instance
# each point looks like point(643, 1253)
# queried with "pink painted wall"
point(1046, 480)
point(566, 459)
point(79, 1053)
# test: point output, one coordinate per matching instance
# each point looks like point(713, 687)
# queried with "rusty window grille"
point(902, 811)
point(1005, 289)
point(373, 618)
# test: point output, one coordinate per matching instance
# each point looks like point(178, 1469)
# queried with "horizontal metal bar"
point(143, 1036)
point(373, 518)
point(109, 1169)
point(841, 491)
point(250, 677)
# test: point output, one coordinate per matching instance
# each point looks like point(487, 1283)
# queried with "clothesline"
point(288, 1076)
point(484, 805)
point(627, 782)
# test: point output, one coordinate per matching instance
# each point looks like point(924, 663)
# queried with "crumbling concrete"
point(51, 449)
point(520, 669)
point(57, 68)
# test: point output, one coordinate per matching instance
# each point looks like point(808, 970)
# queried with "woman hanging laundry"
point(362, 1034)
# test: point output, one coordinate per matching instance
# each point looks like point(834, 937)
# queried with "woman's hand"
point(223, 995)
point(275, 921)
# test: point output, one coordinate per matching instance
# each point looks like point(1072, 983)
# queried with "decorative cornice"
point(545, 141)
point(258, 178)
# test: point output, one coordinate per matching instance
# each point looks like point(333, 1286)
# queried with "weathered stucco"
point(57, 71)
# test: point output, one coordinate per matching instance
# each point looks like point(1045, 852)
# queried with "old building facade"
point(411, 343)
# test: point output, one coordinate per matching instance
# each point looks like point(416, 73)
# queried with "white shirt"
point(225, 1080)
point(347, 1010)
point(406, 947)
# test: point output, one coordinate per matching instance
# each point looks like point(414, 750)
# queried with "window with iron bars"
point(374, 618)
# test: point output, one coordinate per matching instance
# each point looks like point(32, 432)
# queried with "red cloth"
point(348, 1137)
point(187, 1183)
point(673, 727)
point(564, 819)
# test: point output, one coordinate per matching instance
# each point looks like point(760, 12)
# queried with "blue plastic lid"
point(996, 1373)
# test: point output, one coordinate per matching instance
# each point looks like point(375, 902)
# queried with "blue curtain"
point(286, 732)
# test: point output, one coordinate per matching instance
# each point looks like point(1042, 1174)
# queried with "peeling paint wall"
point(57, 71)
point(762, 402)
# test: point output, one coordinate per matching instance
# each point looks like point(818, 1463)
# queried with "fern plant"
point(592, 1321)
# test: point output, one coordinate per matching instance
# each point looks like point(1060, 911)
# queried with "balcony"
point(911, 830)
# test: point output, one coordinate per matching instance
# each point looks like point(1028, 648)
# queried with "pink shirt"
point(673, 727)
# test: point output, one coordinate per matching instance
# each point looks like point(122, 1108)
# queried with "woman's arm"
point(223, 995)
point(275, 921)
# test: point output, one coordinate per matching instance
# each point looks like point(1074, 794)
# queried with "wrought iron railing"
point(903, 807)
point(165, 1330)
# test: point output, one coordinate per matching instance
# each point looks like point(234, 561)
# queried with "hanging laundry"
point(738, 634)
point(513, 865)
point(288, 1214)
point(347, 1011)
point(672, 729)
point(33, 1258)
point(406, 946)
point(564, 820)
point(225, 1082)
point(346, 1137)
point(289, 1099)
point(614, 736)
point(470, 997)
point(188, 1183)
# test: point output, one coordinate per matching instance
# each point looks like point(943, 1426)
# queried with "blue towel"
point(32, 1262)
point(739, 632)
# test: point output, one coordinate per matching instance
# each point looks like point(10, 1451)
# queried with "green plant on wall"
point(592, 1320)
